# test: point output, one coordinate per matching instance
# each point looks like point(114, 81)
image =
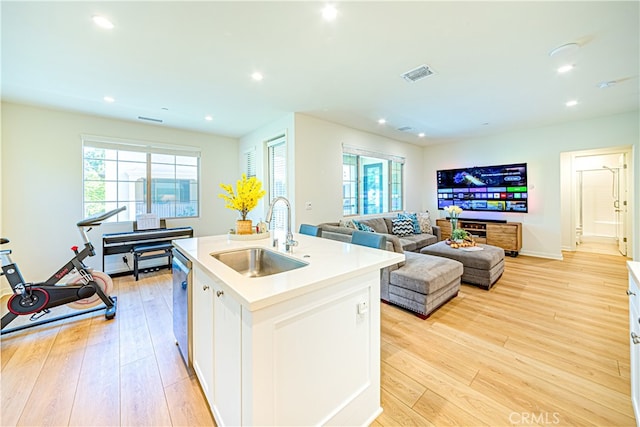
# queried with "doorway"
point(601, 200)
point(373, 188)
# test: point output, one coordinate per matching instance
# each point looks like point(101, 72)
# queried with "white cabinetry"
point(634, 335)
point(311, 360)
point(315, 359)
point(216, 347)
point(226, 358)
point(203, 332)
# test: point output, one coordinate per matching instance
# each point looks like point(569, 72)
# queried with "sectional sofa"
point(422, 283)
point(383, 224)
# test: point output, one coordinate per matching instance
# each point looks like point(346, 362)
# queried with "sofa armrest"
point(437, 232)
point(394, 240)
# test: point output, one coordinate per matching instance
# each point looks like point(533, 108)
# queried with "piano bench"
point(140, 251)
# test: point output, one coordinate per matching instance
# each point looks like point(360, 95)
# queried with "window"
point(145, 178)
point(371, 182)
point(277, 158)
point(250, 162)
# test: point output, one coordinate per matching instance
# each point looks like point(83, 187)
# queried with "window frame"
point(392, 186)
point(148, 183)
point(278, 143)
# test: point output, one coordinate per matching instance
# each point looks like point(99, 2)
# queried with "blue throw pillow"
point(414, 221)
point(363, 227)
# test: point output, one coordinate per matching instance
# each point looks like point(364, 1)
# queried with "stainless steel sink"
point(258, 262)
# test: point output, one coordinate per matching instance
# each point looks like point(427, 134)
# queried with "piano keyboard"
point(121, 243)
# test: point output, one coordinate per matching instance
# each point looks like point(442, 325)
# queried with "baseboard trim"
point(547, 255)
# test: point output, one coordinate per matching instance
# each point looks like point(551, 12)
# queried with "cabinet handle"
point(219, 293)
point(205, 287)
point(630, 293)
point(635, 338)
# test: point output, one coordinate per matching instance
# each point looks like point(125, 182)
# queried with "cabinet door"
point(227, 361)
point(445, 228)
point(203, 332)
point(503, 236)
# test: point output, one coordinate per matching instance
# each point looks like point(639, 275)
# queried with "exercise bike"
point(85, 290)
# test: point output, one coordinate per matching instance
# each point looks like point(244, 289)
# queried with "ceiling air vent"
point(150, 119)
point(417, 74)
point(405, 128)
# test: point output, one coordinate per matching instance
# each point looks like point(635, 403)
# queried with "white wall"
point(42, 181)
point(541, 149)
point(598, 212)
point(257, 140)
point(315, 165)
point(318, 159)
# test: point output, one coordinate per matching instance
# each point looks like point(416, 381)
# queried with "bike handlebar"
point(97, 220)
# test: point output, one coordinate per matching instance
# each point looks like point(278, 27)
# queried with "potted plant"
point(248, 193)
point(458, 235)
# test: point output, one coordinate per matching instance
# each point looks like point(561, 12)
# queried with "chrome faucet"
point(290, 243)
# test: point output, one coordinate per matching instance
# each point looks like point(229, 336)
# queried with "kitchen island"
point(300, 347)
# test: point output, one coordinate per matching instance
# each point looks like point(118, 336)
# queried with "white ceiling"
point(179, 61)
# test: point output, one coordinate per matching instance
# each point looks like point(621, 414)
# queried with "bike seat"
point(3, 240)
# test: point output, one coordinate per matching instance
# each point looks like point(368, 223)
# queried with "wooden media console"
point(505, 235)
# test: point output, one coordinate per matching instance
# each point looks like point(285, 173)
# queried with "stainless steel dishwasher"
point(182, 282)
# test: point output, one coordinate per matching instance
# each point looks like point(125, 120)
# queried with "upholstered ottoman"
point(423, 283)
point(483, 267)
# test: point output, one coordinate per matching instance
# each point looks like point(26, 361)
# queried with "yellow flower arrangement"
point(248, 192)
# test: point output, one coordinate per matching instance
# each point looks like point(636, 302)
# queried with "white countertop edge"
point(330, 262)
point(634, 269)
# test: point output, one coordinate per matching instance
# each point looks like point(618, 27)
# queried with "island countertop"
point(329, 261)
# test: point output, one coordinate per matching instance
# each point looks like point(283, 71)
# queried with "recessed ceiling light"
point(571, 103)
point(257, 76)
point(109, 99)
point(102, 22)
point(382, 121)
point(421, 135)
point(329, 12)
point(565, 68)
point(208, 118)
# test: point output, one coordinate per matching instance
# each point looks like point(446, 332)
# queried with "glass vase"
point(454, 224)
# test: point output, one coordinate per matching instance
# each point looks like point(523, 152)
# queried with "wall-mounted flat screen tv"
point(499, 188)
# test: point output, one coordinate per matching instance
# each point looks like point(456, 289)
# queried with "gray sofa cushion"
point(484, 259)
point(482, 268)
point(419, 240)
point(425, 273)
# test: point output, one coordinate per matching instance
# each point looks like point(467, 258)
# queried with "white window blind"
point(250, 163)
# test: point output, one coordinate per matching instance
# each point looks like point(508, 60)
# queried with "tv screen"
point(500, 188)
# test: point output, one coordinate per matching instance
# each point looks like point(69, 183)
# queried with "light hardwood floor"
point(548, 345)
